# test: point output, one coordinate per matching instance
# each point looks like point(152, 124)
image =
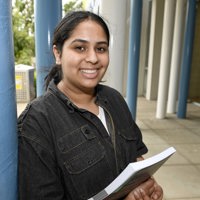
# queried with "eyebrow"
point(85, 41)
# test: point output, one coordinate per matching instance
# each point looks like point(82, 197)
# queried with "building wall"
point(194, 89)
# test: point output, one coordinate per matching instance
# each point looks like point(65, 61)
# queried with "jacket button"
point(91, 116)
point(87, 131)
point(89, 162)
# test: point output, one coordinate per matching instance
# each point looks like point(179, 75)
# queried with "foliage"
point(72, 6)
point(23, 31)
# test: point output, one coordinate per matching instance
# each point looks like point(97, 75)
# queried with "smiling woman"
point(79, 130)
point(84, 60)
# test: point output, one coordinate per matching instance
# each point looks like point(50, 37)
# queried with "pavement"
point(180, 175)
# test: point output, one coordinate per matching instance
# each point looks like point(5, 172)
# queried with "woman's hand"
point(149, 190)
point(158, 192)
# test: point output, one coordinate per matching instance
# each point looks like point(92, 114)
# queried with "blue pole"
point(186, 59)
point(8, 111)
point(134, 53)
point(47, 15)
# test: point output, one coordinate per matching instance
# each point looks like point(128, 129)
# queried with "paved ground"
point(180, 176)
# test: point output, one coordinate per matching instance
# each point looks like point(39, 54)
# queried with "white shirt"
point(102, 117)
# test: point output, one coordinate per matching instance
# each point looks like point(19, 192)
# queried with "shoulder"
point(112, 98)
point(34, 127)
point(108, 91)
point(35, 109)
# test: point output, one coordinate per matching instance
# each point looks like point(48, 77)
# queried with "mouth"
point(89, 71)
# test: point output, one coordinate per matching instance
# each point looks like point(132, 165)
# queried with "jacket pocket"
point(127, 145)
point(129, 133)
point(80, 149)
point(75, 139)
point(86, 157)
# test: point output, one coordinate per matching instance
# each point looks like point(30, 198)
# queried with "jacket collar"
point(101, 98)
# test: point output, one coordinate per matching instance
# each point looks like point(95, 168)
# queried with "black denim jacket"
point(66, 153)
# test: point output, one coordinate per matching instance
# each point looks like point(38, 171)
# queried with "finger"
point(158, 193)
point(151, 191)
point(133, 195)
point(147, 186)
point(147, 189)
point(137, 194)
point(144, 195)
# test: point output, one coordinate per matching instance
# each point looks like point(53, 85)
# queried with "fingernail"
point(142, 192)
point(155, 196)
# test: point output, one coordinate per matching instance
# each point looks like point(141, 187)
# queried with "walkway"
point(180, 176)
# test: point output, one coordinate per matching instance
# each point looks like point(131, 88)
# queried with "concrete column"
point(186, 59)
point(168, 24)
point(114, 11)
point(176, 55)
point(144, 45)
point(47, 15)
point(134, 53)
point(154, 49)
point(8, 112)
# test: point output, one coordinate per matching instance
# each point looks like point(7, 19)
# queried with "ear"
point(57, 55)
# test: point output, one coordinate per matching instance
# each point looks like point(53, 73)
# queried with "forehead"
point(89, 29)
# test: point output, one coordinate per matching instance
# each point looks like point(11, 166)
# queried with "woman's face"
point(85, 56)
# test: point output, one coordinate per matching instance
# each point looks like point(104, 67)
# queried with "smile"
point(89, 71)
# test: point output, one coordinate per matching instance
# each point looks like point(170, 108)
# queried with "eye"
point(102, 49)
point(80, 48)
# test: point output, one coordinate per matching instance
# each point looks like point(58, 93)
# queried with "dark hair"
point(65, 29)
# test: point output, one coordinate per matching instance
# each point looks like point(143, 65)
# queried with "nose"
point(92, 56)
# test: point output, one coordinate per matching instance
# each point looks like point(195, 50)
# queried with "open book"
point(133, 175)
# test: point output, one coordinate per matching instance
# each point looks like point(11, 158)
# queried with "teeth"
point(89, 71)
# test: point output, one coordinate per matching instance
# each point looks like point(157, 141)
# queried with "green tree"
point(23, 31)
point(72, 6)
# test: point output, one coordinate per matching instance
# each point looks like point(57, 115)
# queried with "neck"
point(81, 98)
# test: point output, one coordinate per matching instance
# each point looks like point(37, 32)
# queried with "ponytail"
point(55, 73)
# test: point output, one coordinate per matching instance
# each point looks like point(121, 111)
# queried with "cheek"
point(70, 61)
point(106, 61)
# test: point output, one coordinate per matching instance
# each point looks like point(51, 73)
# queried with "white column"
point(176, 55)
point(165, 61)
point(151, 49)
point(144, 44)
point(114, 11)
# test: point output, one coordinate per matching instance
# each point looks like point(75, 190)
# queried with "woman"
point(76, 138)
